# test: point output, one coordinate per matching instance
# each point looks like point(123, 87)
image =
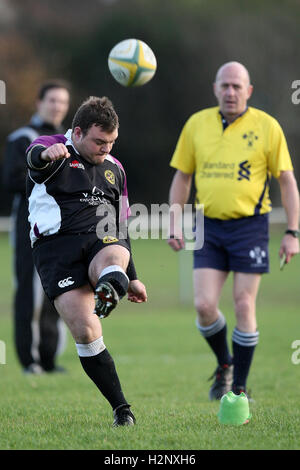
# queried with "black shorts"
point(62, 261)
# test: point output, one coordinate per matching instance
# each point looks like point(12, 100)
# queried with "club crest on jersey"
point(109, 239)
point(251, 138)
point(76, 164)
point(110, 176)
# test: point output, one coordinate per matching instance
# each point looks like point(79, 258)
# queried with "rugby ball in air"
point(132, 62)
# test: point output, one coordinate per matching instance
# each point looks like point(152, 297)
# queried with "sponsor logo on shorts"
point(76, 164)
point(110, 239)
point(258, 255)
point(110, 176)
point(65, 282)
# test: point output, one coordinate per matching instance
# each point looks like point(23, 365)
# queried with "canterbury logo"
point(65, 282)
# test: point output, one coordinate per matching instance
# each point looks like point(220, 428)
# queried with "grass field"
point(164, 366)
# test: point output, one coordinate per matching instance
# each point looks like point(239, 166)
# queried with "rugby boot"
point(34, 369)
point(223, 380)
point(123, 416)
point(106, 299)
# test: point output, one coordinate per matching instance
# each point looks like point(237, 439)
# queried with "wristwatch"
point(294, 233)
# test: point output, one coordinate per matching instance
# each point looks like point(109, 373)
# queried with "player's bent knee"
point(109, 256)
point(117, 254)
point(114, 255)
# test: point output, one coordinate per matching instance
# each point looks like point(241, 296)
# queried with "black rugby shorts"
point(62, 260)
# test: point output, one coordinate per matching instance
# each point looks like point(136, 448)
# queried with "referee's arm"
point(290, 201)
point(290, 198)
point(179, 195)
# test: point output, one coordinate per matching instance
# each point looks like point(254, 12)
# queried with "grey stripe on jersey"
point(25, 131)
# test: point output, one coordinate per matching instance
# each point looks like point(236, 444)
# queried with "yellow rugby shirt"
point(232, 167)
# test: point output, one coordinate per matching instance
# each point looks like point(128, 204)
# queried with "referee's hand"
point(176, 242)
point(55, 152)
point(289, 246)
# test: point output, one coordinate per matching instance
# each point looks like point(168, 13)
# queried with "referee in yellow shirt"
point(233, 150)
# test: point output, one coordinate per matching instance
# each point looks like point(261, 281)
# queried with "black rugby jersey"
point(74, 196)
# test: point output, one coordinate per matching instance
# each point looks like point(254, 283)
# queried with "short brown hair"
point(50, 84)
point(96, 111)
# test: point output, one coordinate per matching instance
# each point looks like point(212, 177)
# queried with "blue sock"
point(243, 346)
point(216, 336)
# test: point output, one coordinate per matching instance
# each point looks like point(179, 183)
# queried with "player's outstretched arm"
point(137, 292)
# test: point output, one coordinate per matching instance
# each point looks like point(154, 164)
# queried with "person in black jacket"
point(38, 331)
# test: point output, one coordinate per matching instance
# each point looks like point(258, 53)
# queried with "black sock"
point(243, 346)
point(218, 344)
point(101, 369)
point(216, 336)
point(117, 278)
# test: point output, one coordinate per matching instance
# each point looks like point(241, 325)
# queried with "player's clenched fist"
point(55, 152)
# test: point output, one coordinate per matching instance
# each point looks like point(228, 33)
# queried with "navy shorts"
point(239, 245)
point(62, 261)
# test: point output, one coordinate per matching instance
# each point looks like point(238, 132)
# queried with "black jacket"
point(14, 164)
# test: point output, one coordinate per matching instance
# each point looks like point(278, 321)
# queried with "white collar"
point(69, 141)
